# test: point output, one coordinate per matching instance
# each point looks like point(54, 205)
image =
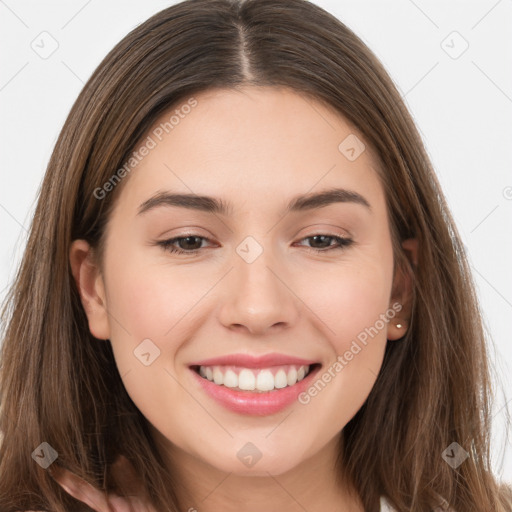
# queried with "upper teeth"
point(254, 379)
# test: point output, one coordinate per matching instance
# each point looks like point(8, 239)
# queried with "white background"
point(462, 107)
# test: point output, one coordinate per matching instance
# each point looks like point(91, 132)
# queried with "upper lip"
point(249, 361)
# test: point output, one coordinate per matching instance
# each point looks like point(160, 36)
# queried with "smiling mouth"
point(255, 380)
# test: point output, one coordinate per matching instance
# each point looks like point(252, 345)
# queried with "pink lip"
point(248, 361)
point(255, 403)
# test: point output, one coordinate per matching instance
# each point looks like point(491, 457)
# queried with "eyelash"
point(167, 245)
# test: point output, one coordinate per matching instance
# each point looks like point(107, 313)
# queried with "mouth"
point(255, 380)
point(256, 385)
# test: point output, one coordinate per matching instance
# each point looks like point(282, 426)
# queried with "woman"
point(175, 342)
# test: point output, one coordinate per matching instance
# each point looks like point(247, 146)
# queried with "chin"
point(276, 465)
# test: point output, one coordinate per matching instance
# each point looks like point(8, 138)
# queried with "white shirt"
point(386, 507)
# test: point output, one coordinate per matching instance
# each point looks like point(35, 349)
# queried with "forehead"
point(252, 146)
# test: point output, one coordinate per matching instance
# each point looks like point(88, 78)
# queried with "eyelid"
point(321, 229)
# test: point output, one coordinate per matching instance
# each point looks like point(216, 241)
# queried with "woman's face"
point(255, 285)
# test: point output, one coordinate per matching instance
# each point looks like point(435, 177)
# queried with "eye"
point(189, 244)
point(340, 242)
point(186, 241)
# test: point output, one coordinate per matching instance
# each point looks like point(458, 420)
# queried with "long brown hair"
point(60, 385)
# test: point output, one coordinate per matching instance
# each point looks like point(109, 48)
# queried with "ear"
point(402, 292)
point(89, 283)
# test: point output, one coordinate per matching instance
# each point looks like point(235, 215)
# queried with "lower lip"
point(256, 403)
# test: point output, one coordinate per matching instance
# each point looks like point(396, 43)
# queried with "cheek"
point(342, 386)
point(150, 297)
point(354, 310)
point(151, 307)
point(348, 300)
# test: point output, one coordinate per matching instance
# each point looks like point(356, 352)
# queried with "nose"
point(258, 298)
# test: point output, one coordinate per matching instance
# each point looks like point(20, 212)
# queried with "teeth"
point(265, 381)
point(230, 379)
point(280, 379)
point(291, 378)
point(246, 379)
point(218, 377)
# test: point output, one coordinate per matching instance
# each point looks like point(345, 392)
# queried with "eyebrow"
point(218, 206)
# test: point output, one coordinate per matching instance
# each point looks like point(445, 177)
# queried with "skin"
point(256, 147)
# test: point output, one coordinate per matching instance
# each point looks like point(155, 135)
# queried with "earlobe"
point(91, 288)
point(403, 292)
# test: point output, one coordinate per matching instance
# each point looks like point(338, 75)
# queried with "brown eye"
point(189, 244)
point(325, 242)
